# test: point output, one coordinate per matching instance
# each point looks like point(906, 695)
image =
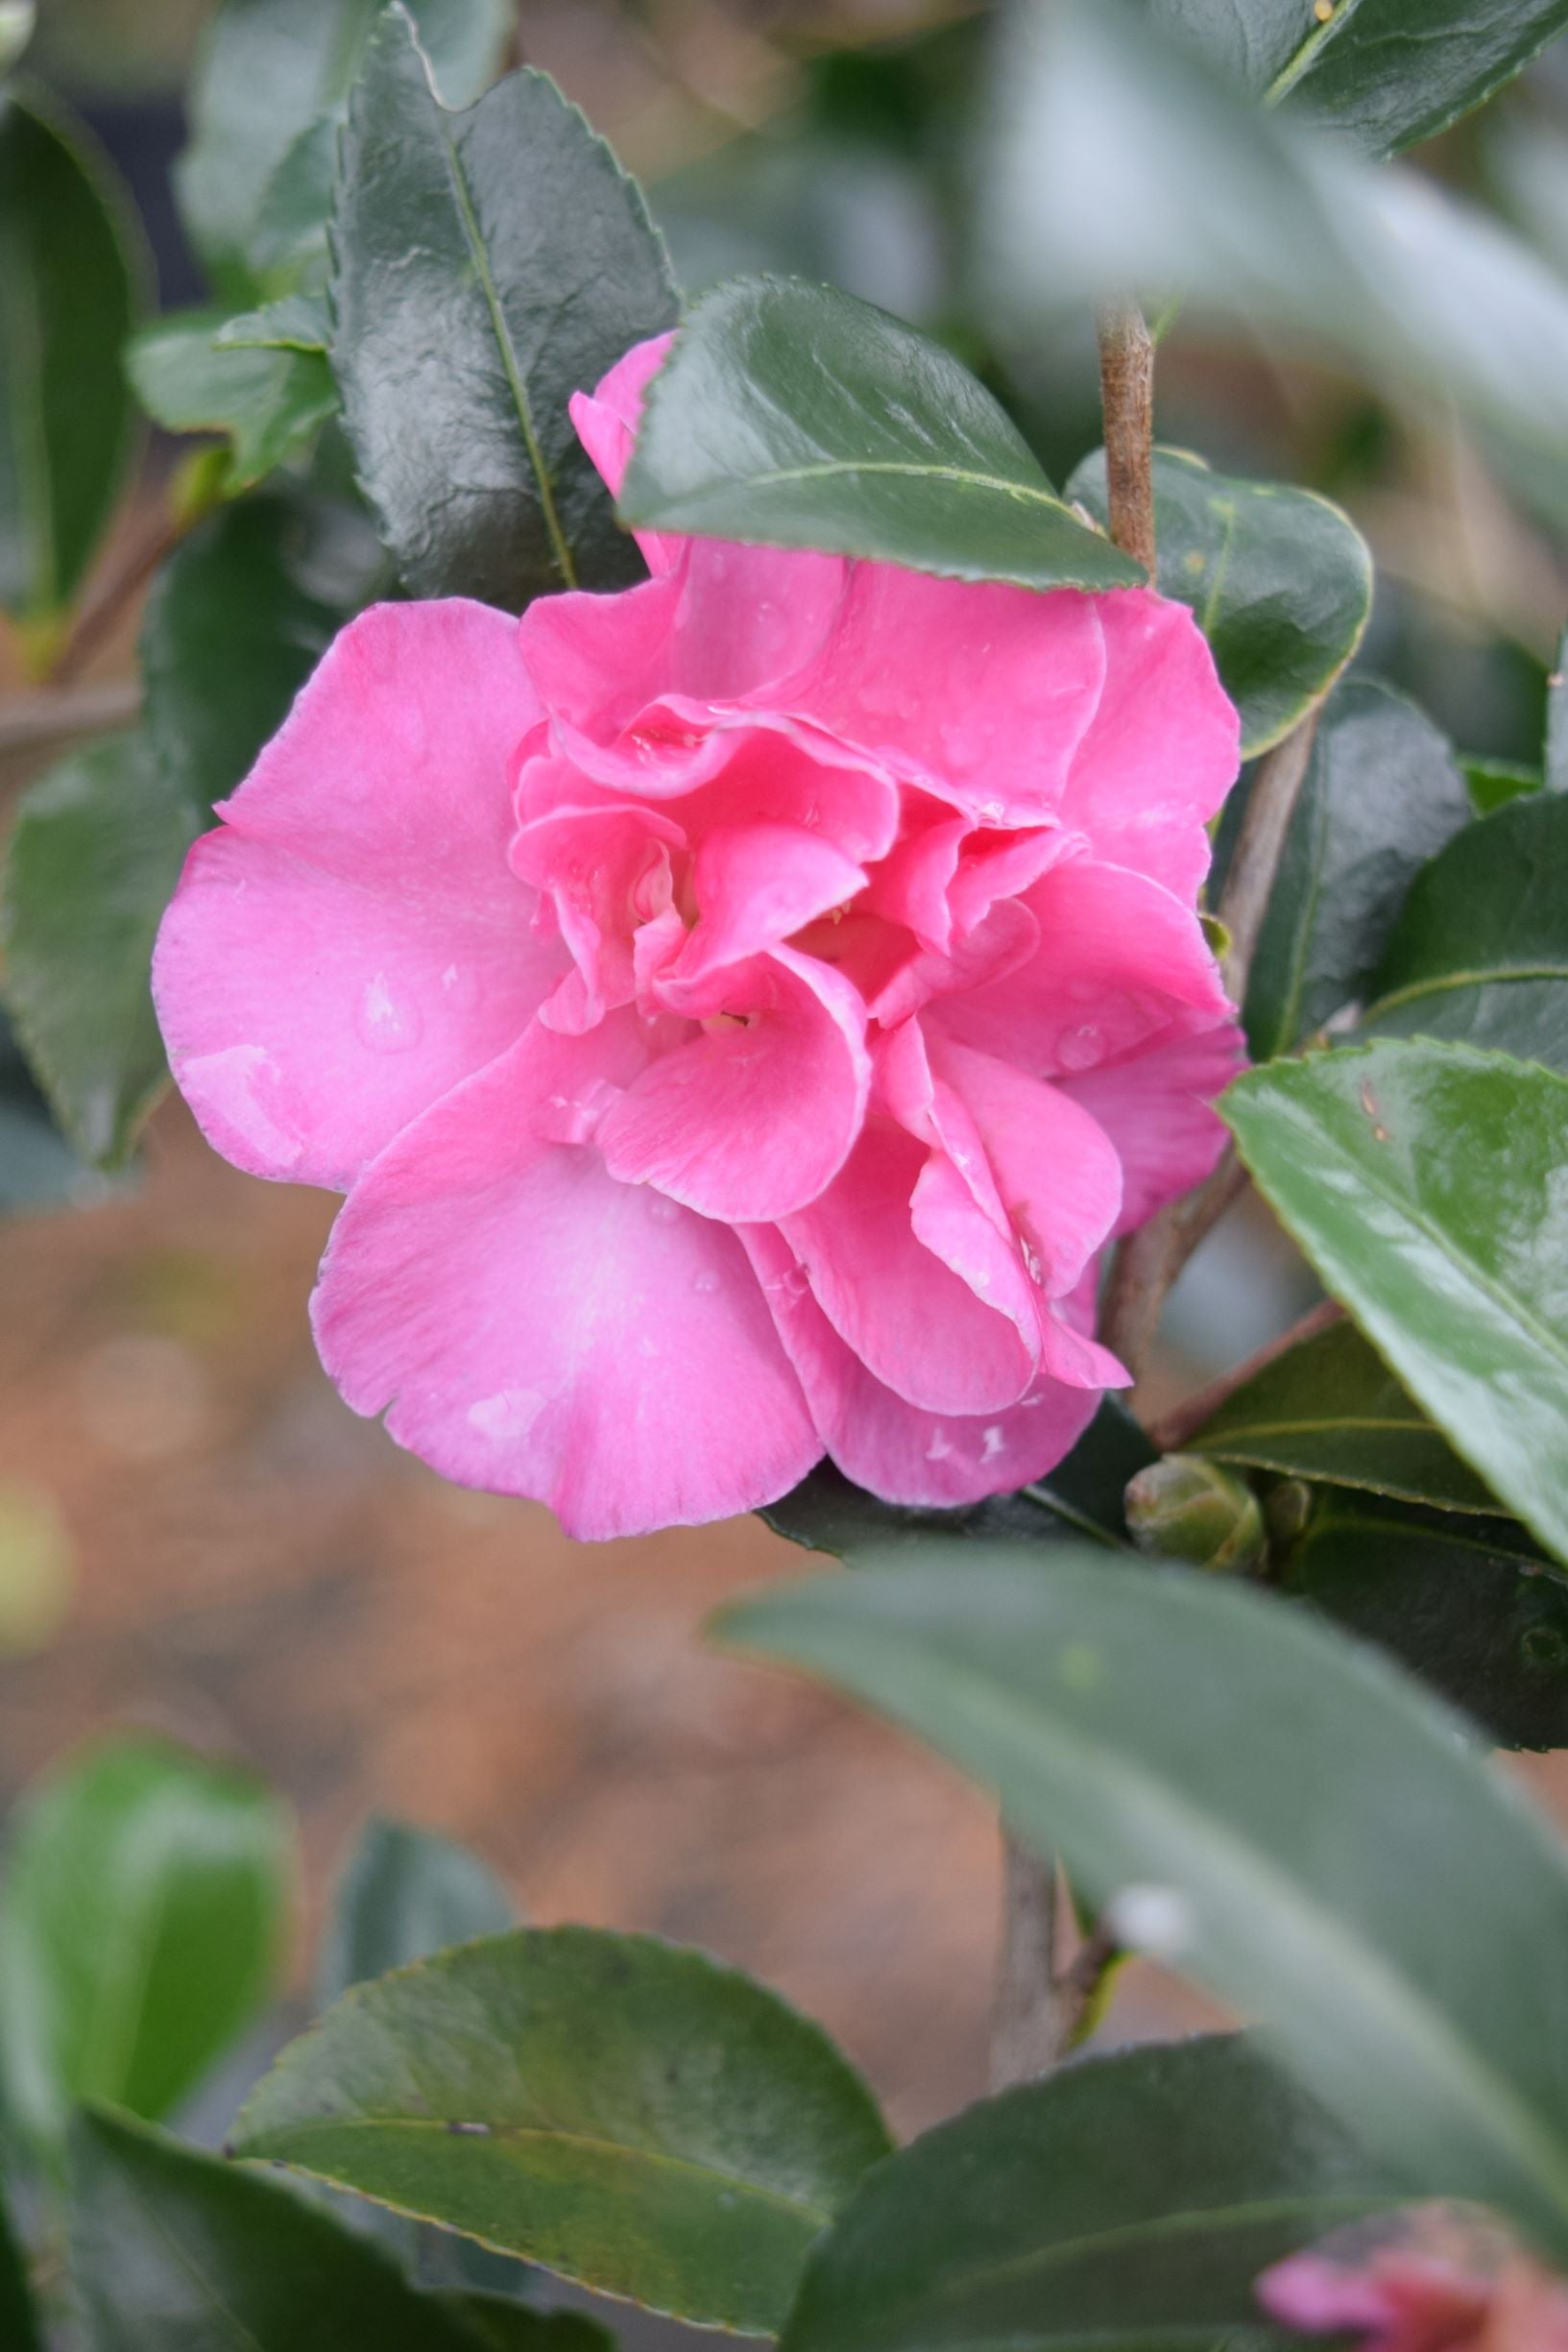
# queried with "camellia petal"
point(351, 941)
point(1157, 1111)
point(901, 1451)
point(916, 1325)
point(530, 1326)
point(986, 700)
point(1140, 807)
point(755, 1117)
point(783, 904)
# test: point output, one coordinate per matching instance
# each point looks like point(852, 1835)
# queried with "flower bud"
point(1185, 1508)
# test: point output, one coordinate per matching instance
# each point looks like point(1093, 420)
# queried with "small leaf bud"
point(1185, 1508)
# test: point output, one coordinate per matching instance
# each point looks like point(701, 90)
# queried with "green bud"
point(1287, 1509)
point(1185, 1508)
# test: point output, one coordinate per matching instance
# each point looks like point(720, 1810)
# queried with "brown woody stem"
point(32, 720)
point(1126, 394)
point(1037, 2011)
point(1172, 1431)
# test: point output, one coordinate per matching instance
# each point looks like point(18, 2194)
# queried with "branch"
point(1172, 1431)
point(1255, 861)
point(1037, 2013)
point(1126, 394)
point(123, 585)
point(34, 719)
point(1148, 1262)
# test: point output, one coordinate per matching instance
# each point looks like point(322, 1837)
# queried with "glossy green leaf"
point(1303, 1809)
point(1469, 1605)
point(1120, 158)
point(1329, 1409)
point(94, 855)
point(621, 2110)
point(269, 71)
point(1382, 793)
point(1424, 1183)
point(1394, 71)
point(173, 2251)
point(71, 273)
point(1128, 2199)
point(20, 2330)
point(488, 265)
point(1388, 71)
point(237, 621)
point(141, 1916)
point(800, 417)
point(1481, 951)
point(405, 1894)
point(265, 402)
point(1280, 580)
point(1494, 783)
point(1082, 1495)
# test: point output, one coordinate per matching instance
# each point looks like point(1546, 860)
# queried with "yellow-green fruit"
point(1185, 1508)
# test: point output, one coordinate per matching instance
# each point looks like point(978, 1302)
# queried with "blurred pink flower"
point(1406, 2301)
point(738, 1010)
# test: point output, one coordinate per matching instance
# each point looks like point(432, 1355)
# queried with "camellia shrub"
point(787, 930)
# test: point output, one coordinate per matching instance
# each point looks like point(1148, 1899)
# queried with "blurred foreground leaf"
point(1301, 1811)
point(1121, 159)
point(621, 2110)
point(141, 1917)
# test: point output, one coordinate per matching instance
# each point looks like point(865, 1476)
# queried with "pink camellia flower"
point(1402, 2300)
point(738, 1010)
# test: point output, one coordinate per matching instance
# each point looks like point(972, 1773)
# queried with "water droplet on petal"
point(706, 1282)
point(387, 1022)
point(1080, 1048)
point(662, 1210)
point(510, 1413)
